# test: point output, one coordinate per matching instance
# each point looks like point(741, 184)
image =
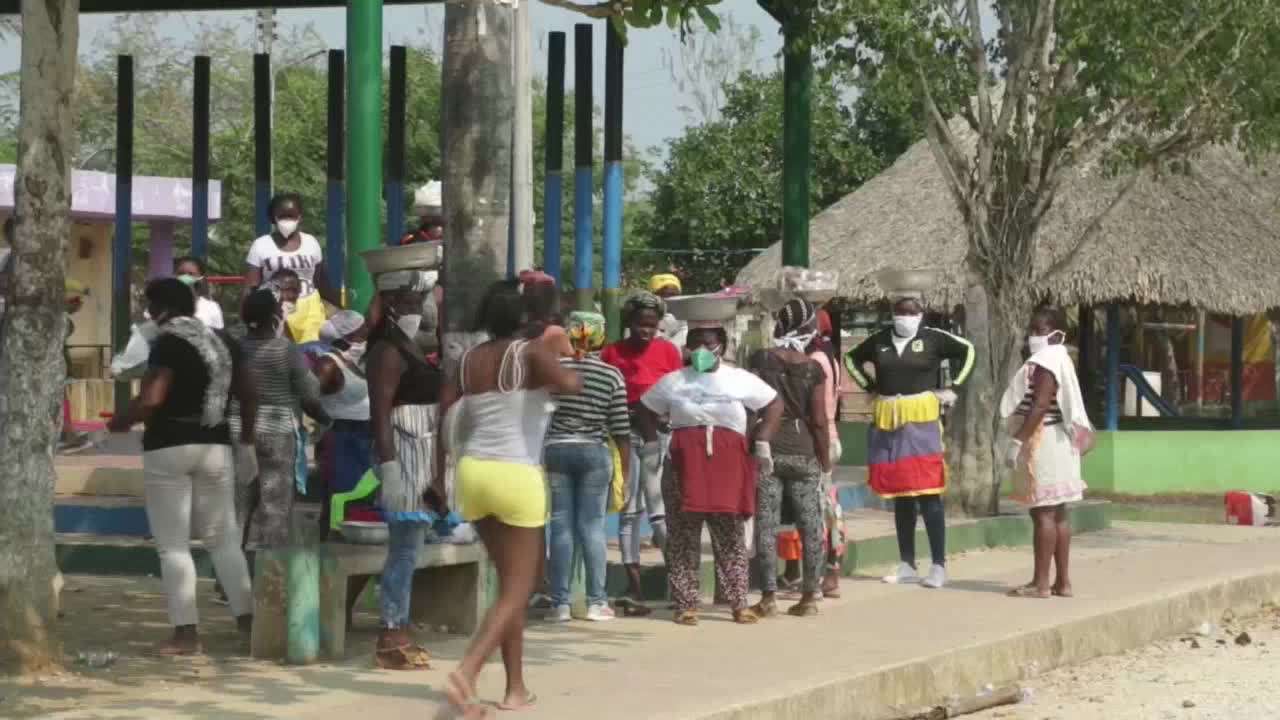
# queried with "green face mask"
point(703, 360)
point(190, 280)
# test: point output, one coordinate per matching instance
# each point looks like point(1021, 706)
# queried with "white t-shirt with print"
point(265, 255)
point(720, 398)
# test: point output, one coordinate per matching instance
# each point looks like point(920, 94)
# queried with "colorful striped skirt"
point(904, 447)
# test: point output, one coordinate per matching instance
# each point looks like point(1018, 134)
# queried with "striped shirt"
point(282, 381)
point(596, 413)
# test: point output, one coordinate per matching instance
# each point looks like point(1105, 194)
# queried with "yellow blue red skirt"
point(904, 447)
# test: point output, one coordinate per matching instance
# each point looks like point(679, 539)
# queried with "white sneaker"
point(904, 575)
point(600, 613)
point(937, 577)
point(559, 614)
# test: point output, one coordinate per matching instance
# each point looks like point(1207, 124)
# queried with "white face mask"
point(354, 352)
point(906, 326)
point(409, 324)
point(287, 227)
point(1038, 343)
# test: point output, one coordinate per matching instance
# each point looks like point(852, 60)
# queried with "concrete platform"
point(880, 650)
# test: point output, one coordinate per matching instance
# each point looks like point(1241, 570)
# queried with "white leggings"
point(195, 481)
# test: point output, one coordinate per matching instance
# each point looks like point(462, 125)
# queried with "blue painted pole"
point(583, 179)
point(393, 191)
point(613, 181)
point(200, 159)
point(1237, 373)
point(336, 197)
point(554, 146)
point(262, 143)
point(1113, 368)
point(122, 242)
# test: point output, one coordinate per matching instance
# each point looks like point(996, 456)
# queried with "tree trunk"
point(477, 136)
point(975, 432)
point(32, 369)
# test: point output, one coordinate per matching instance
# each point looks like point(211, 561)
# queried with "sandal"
point(530, 702)
point(404, 657)
point(688, 618)
point(745, 616)
point(803, 609)
point(1029, 591)
point(632, 608)
point(463, 698)
point(765, 608)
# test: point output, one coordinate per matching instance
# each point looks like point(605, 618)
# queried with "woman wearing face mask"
point(904, 448)
point(1051, 430)
point(288, 248)
point(191, 271)
point(643, 358)
point(713, 468)
point(800, 453)
point(187, 457)
point(404, 393)
point(286, 388)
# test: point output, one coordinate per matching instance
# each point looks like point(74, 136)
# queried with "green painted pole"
point(364, 143)
point(302, 613)
point(797, 80)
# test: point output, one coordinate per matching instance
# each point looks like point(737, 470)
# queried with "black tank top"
point(421, 381)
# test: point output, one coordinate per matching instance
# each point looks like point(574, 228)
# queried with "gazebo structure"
point(162, 204)
point(1184, 270)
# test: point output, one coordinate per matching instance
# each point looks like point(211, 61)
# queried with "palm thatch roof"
point(1208, 237)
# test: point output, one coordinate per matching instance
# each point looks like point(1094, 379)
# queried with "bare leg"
point(1062, 551)
point(514, 552)
point(1045, 533)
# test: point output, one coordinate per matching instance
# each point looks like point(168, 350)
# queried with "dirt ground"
point(126, 616)
point(1223, 671)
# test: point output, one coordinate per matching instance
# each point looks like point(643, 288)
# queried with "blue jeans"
point(579, 475)
point(404, 541)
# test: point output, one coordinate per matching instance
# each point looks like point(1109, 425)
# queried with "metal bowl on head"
point(703, 308)
point(896, 281)
point(418, 256)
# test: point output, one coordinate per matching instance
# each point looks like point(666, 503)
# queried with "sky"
point(651, 104)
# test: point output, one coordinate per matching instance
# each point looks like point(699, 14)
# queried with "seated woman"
point(713, 478)
point(403, 394)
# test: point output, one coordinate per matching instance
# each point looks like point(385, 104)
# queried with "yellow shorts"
point(513, 493)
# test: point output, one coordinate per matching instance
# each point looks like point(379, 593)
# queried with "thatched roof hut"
point(1209, 237)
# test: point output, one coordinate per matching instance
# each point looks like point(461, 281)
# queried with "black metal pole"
point(122, 243)
point(262, 142)
point(200, 159)
point(394, 189)
point(335, 215)
point(554, 182)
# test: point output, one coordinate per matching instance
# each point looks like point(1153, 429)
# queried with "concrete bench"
point(452, 588)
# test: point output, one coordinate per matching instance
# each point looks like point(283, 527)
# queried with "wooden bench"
point(452, 588)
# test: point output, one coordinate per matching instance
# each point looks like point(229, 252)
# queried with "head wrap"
point(412, 280)
point(797, 325)
point(340, 325)
point(535, 277)
point(662, 281)
point(429, 198)
point(586, 332)
point(641, 300)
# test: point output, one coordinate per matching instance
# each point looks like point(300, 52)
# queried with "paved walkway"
point(879, 648)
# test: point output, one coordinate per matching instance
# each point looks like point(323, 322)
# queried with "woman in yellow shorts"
point(505, 386)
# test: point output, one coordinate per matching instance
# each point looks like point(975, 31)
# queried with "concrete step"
point(100, 515)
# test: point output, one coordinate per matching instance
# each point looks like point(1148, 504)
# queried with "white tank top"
point(352, 401)
point(510, 423)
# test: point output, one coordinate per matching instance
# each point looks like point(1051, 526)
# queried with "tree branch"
point(594, 10)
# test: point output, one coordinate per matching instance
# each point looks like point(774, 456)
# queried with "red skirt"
point(722, 482)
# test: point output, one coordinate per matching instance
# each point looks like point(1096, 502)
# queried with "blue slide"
point(1146, 392)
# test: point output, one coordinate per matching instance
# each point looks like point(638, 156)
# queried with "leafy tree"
point(1136, 84)
point(718, 198)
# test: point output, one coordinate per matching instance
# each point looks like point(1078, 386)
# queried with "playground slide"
point(1146, 392)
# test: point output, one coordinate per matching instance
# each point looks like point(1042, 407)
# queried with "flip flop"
point(1057, 592)
point(463, 698)
point(688, 618)
point(1028, 591)
point(528, 704)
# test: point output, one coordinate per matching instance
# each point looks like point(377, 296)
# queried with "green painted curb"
point(860, 555)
